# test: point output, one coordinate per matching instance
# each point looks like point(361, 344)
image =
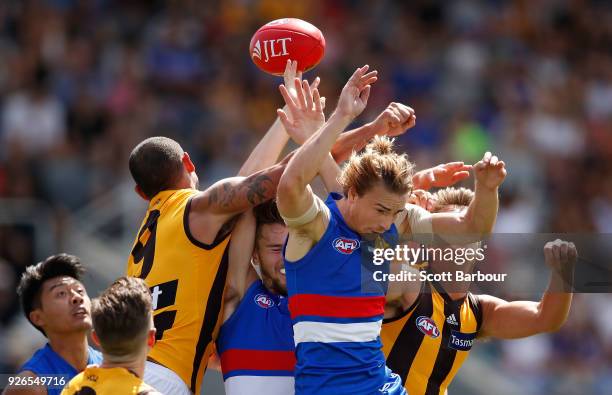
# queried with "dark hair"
point(267, 213)
point(29, 289)
point(156, 164)
point(121, 316)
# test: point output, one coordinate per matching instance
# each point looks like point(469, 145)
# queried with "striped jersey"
point(427, 345)
point(256, 347)
point(336, 324)
point(186, 278)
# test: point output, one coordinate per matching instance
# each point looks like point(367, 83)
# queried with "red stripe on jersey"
point(336, 306)
point(237, 359)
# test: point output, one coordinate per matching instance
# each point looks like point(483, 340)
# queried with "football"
point(287, 38)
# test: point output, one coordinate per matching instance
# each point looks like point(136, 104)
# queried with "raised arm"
point(513, 320)
point(478, 220)
point(240, 273)
point(214, 207)
point(269, 148)
point(395, 120)
point(294, 195)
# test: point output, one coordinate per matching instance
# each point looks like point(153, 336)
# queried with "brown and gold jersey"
point(186, 279)
point(427, 345)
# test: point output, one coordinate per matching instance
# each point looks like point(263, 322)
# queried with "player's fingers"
point(287, 97)
point(287, 69)
point(548, 252)
point(368, 79)
point(487, 157)
point(365, 94)
point(572, 252)
point(563, 252)
point(453, 165)
point(556, 251)
point(494, 160)
point(357, 75)
point(283, 118)
point(315, 83)
point(301, 100)
point(404, 113)
point(318, 102)
point(461, 175)
point(322, 102)
point(501, 163)
point(307, 95)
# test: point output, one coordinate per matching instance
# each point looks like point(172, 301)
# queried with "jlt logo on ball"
point(270, 48)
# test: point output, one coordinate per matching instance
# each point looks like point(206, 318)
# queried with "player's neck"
point(345, 211)
point(135, 365)
point(73, 348)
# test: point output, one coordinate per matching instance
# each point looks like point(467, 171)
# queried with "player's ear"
point(187, 163)
point(36, 317)
point(151, 337)
point(95, 338)
point(351, 194)
point(141, 193)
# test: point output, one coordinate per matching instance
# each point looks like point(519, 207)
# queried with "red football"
point(287, 38)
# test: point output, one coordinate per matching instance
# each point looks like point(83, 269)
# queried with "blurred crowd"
point(81, 82)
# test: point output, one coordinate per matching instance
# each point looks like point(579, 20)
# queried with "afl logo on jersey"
point(427, 326)
point(264, 301)
point(345, 246)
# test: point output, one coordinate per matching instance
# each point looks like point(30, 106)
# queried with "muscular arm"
point(240, 273)
point(212, 208)
point(294, 195)
point(30, 390)
point(395, 120)
point(478, 220)
point(513, 320)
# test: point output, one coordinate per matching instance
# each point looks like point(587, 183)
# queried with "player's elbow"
point(290, 185)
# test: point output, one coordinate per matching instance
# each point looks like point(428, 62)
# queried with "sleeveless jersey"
point(46, 361)
point(186, 279)
point(336, 324)
point(427, 345)
point(256, 345)
point(107, 381)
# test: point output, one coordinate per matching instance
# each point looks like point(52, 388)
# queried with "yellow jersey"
point(107, 381)
point(427, 345)
point(186, 279)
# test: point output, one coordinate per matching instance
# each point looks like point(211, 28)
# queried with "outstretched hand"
point(355, 94)
point(304, 114)
point(441, 176)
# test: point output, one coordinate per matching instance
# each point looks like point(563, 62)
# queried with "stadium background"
point(81, 82)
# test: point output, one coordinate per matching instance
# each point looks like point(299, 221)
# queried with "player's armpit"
point(25, 390)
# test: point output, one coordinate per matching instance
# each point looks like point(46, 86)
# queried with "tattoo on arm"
point(256, 189)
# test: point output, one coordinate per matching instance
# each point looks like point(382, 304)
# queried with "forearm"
point(482, 211)
point(309, 159)
point(267, 151)
point(555, 304)
point(353, 140)
point(330, 173)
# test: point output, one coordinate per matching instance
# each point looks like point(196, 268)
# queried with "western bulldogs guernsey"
point(256, 345)
point(336, 325)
